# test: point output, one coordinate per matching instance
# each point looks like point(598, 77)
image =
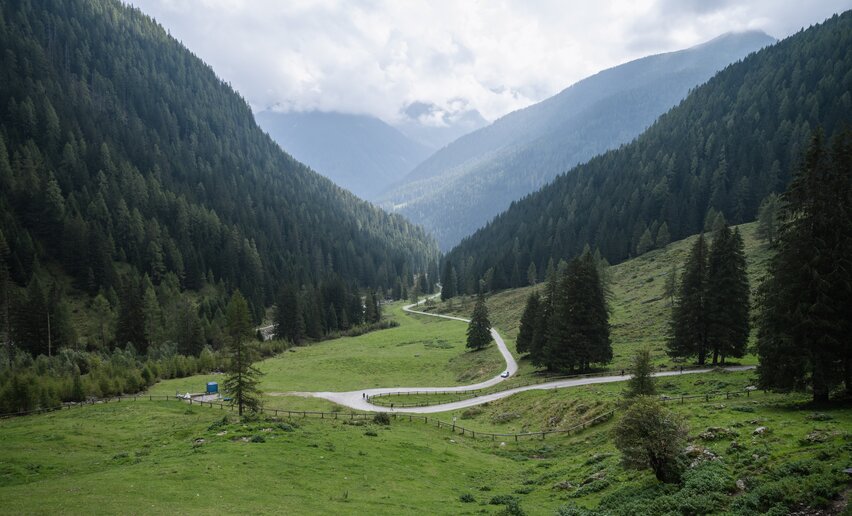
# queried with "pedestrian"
point(622, 372)
point(363, 395)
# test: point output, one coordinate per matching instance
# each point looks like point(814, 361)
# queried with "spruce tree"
point(641, 381)
point(688, 334)
point(804, 323)
point(479, 328)
point(526, 332)
point(727, 296)
point(289, 318)
point(578, 335)
point(241, 384)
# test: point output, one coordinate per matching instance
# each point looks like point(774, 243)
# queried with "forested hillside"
point(730, 143)
point(462, 186)
point(358, 152)
point(123, 155)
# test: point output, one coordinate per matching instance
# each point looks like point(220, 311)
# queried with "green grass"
point(421, 351)
point(639, 311)
point(142, 457)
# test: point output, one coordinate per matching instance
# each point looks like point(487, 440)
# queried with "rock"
point(453, 441)
point(760, 430)
point(735, 446)
point(699, 454)
point(200, 441)
point(223, 432)
point(564, 485)
point(751, 388)
point(600, 475)
point(714, 432)
point(741, 485)
point(502, 444)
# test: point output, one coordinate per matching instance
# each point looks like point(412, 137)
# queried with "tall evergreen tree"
point(130, 327)
point(804, 323)
point(641, 382)
point(578, 335)
point(767, 218)
point(289, 317)
point(526, 332)
point(241, 384)
point(30, 329)
point(479, 328)
point(727, 296)
point(688, 334)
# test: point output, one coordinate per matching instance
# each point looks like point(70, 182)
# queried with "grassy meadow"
point(639, 310)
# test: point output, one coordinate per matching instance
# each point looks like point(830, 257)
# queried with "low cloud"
point(382, 57)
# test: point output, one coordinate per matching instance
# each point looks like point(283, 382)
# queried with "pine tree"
point(241, 384)
point(526, 332)
point(479, 328)
point(532, 275)
point(689, 317)
point(30, 328)
point(370, 308)
point(804, 323)
point(130, 327)
point(670, 287)
point(646, 243)
point(663, 236)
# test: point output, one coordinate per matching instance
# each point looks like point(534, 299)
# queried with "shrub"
point(371, 433)
point(467, 498)
point(650, 436)
point(381, 418)
point(258, 439)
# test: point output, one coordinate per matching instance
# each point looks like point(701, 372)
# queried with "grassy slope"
point(140, 457)
point(639, 311)
point(422, 351)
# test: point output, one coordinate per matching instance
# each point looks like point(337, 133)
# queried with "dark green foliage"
point(289, 316)
point(241, 384)
point(804, 323)
point(479, 328)
point(727, 297)
point(730, 143)
point(650, 436)
point(641, 381)
point(466, 498)
point(526, 332)
point(689, 315)
point(122, 154)
point(578, 332)
point(767, 218)
point(381, 418)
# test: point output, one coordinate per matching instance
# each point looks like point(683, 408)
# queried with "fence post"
point(516, 437)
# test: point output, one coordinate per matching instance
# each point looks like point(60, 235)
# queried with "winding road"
point(358, 400)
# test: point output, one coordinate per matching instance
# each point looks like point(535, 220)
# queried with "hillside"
point(121, 154)
point(462, 186)
point(731, 142)
point(639, 308)
point(359, 153)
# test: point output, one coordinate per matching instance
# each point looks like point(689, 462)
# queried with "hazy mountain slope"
point(358, 152)
point(731, 142)
point(461, 187)
point(120, 150)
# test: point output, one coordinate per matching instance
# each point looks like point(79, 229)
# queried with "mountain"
point(462, 186)
point(360, 153)
point(435, 127)
point(122, 153)
point(730, 143)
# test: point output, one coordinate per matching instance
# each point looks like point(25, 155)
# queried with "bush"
point(371, 433)
point(650, 436)
point(258, 439)
point(467, 498)
point(381, 418)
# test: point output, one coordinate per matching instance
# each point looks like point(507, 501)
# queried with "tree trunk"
point(715, 356)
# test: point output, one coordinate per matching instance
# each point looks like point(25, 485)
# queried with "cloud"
point(380, 57)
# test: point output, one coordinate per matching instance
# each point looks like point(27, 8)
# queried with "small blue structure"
point(212, 387)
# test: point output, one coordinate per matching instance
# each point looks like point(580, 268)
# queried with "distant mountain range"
point(360, 153)
point(729, 144)
point(462, 186)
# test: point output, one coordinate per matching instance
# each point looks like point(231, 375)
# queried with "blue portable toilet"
point(212, 387)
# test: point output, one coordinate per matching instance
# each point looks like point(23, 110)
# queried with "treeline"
point(566, 329)
point(726, 147)
point(121, 151)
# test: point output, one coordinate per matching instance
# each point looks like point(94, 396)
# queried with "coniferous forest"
point(129, 172)
point(732, 142)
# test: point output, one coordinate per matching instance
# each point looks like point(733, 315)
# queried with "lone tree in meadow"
point(804, 324)
point(241, 382)
point(641, 382)
point(479, 329)
point(649, 436)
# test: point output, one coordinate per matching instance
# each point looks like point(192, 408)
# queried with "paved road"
point(357, 399)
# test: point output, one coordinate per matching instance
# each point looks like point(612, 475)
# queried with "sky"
point(389, 58)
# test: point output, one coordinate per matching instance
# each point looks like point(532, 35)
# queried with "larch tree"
point(727, 296)
point(526, 332)
point(241, 384)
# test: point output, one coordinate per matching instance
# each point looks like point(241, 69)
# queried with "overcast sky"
point(379, 56)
